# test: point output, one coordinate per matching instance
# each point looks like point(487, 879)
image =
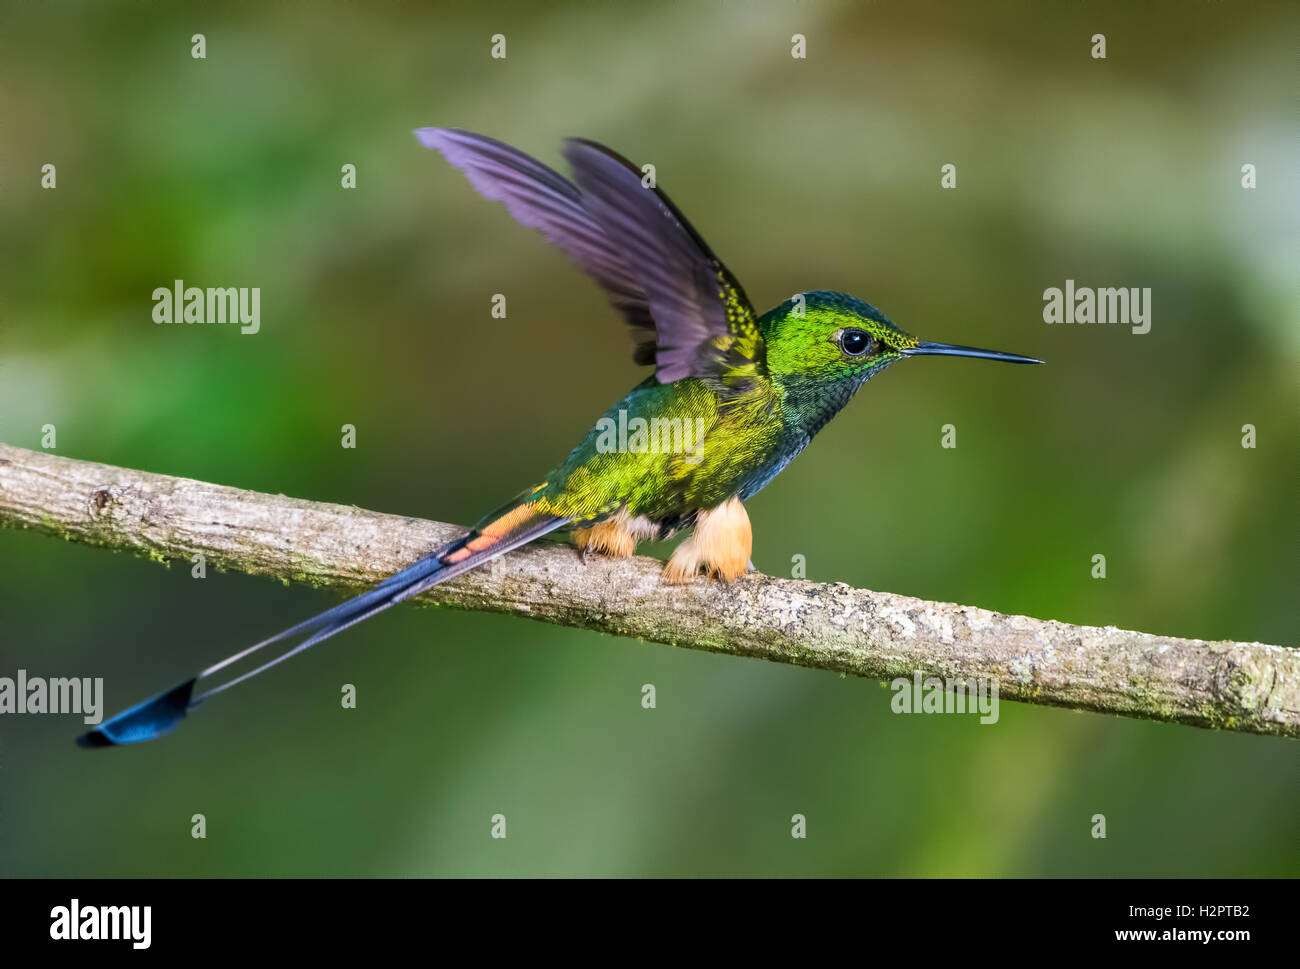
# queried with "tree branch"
point(1248, 687)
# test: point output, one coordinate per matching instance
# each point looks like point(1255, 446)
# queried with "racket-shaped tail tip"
point(154, 717)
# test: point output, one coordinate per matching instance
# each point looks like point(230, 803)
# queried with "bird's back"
point(667, 450)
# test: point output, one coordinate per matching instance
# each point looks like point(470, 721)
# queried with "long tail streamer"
point(162, 713)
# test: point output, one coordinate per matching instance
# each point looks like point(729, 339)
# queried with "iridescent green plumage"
point(736, 397)
point(756, 389)
point(797, 380)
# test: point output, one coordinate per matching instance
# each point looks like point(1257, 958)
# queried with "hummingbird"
point(734, 397)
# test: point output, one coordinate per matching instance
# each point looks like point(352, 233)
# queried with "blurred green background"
point(802, 174)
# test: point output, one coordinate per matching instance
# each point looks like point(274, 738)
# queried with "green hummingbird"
point(733, 399)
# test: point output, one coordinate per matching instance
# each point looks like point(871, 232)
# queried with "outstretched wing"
point(540, 197)
point(688, 314)
point(705, 323)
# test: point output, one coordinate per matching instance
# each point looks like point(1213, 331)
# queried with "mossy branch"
point(1248, 687)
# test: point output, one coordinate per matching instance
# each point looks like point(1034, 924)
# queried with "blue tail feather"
point(161, 714)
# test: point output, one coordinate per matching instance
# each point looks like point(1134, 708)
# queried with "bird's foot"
point(720, 546)
point(611, 537)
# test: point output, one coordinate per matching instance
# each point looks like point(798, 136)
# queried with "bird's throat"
point(810, 402)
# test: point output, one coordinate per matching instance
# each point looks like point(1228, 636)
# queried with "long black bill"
point(926, 348)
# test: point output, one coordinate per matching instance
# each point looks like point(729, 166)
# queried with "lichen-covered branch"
point(1249, 687)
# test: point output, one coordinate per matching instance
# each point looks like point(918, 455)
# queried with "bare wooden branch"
point(1249, 687)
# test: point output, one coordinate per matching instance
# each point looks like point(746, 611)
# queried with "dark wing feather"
point(688, 314)
point(705, 322)
point(543, 199)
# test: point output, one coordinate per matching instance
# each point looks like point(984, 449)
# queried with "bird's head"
point(822, 346)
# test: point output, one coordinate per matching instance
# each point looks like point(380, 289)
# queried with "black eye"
point(855, 342)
